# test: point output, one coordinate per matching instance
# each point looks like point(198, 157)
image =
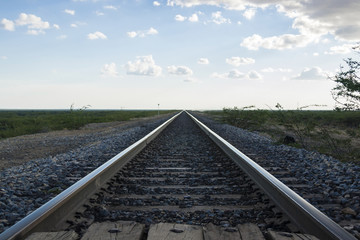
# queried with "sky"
point(173, 54)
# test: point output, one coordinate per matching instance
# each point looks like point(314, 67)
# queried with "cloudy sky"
point(184, 54)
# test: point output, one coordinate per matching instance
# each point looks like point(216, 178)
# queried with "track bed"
point(182, 177)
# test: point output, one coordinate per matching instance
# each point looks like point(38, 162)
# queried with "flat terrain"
point(20, 122)
point(333, 133)
point(17, 150)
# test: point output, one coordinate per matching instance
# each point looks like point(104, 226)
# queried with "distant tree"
point(346, 93)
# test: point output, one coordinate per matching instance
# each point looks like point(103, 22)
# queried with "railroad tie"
point(128, 230)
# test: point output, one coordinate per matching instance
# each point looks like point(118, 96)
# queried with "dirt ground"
point(17, 150)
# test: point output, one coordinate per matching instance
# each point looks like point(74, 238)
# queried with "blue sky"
point(184, 54)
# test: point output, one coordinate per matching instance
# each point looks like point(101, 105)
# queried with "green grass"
point(20, 122)
point(331, 132)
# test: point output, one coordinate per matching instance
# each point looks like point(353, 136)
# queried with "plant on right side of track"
point(245, 117)
point(295, 122)
point(313, 131)
point(346, 93)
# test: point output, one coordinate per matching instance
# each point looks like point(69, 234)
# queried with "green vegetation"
point(20, 122)
point(346, 93)
point(331, 132)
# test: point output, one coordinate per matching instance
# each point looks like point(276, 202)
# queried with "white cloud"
point(203, 61)
point(34, 24)
point(285, 41)
point(315, 54)
point(4, 57)
point(216, 17)
point(284, 70)
point(253, 75)
point(194, 18)
point(341, 49)
point(272, 70)
point(229, 4)
point(98, 13)
point(142, 33)
point(69, 11)
point(191, 80)
point(144, 66)
point(339, 18)
point(35, 32)
point(77, 24)
point(179, 70)
point(156, 3)
point(152, 31)
point(109, 70)
point(234, 74)
point(7, 24)
point(249, 13)
point(131, 34)
point(314, 73)
point(180, 18)
point(110, 7)
point(237, 61)
point(96, 35)
point(170, 3)
point(62, 37)
point(268, 70)
point(310, 27)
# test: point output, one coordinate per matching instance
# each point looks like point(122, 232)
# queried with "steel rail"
point(49, 216)
point(303, 214)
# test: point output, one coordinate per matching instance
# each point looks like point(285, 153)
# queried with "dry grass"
point(333, 133)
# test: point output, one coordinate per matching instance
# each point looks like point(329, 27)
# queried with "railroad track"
point(187, 182)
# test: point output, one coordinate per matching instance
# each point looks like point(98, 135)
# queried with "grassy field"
point(20, 122)
point(330, 132)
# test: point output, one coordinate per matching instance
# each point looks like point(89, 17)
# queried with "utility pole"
point(158, 109)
